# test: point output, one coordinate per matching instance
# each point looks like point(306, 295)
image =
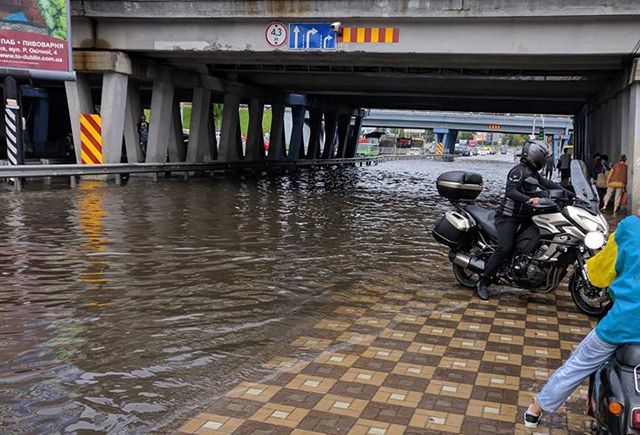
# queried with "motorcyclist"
point(516, 207)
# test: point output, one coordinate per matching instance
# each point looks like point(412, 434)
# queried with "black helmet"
point(535, 152)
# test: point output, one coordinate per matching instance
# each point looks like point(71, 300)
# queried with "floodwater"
point(123, 309)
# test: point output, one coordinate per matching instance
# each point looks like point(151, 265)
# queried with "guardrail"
point(17, 173)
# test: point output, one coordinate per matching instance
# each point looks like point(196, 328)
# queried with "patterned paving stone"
point(385, 361)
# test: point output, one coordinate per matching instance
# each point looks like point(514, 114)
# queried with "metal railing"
point(30, 171)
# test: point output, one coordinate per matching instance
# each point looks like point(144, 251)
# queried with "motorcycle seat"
point(485, 219)
point(628, 354)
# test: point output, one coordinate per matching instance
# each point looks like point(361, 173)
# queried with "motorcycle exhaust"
point(463, 260)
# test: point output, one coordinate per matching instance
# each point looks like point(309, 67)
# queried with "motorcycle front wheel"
point(465, 277)
point(592, 301)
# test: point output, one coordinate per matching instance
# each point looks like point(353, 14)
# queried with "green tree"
point(513, 140)
point(54, 13)
point(465, 135)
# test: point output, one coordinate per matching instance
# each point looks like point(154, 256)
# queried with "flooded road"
point(124, 309)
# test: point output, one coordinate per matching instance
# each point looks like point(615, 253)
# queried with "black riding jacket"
point(515, 202)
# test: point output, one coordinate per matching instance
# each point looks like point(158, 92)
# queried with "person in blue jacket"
point(617, 266)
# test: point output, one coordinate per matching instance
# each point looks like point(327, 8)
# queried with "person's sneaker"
point(483, 291)
point(531, 420)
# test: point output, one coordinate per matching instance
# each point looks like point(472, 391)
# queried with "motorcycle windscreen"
point(585, 191)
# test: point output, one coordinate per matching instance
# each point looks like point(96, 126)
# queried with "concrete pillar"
point(330, 131)
point(633, 157)
point(161, 126)
point(450, 141)
point(177, 148)
point(344, 122)
point(315, 131)
point(276, 138)
point(198, 129)
point(132, 114)
point(355, 136)
point(255, 135)
point(228, 151)
point(296, 143)
point(114, 99)
point(623, 104)
point(79, 101)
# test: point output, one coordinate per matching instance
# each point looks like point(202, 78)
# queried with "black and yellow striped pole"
point(13, 126)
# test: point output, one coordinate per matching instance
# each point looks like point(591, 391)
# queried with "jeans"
point(590, 354)
point(618, 196)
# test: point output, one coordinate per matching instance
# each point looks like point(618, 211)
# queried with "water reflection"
point(123, 308)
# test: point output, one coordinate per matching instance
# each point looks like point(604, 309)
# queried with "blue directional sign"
point(311, 36)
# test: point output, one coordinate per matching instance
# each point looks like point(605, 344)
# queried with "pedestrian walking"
point(599, 173)
point(143, 132)
point(564, 165)
point(548, 167)
point(616, 184)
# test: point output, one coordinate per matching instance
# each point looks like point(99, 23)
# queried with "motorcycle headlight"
point(594, 240)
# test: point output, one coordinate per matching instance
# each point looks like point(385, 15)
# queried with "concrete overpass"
point(494, 123)
point(446, 125)
point(576, 58)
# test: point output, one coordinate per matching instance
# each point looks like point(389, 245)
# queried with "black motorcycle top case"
point(459, 185)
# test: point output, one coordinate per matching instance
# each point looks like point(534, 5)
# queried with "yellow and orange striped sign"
point(91, 139)
point(374, 35)
point(439, 150)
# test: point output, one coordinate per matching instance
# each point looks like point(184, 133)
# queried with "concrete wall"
point(355, 8)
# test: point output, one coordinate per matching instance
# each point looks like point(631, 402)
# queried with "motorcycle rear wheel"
point(588, 298)
point(465, 277)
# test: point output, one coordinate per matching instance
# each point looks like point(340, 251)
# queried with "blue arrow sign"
point(311, 36)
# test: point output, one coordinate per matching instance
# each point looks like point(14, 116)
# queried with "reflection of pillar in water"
point(91, 215)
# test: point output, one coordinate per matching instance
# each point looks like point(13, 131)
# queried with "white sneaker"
point(531, 420)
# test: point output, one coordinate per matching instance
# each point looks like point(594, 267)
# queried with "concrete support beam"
point(355, 136)
point(344, 124)
point(199, 138)
point(296, 143)
point(79, 101)
point(276, 138)
point(161, 127)
point(255, 135)
point(133, 112)
point(230, 127)
point(623, 102)
point(177, 148)
point(114, 99)
point(633, 157)
point(330, 132)
point(315, 131)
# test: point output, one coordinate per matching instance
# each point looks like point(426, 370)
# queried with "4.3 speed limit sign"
point(276, 34)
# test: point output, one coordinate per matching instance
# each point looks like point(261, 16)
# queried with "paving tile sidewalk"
point(417, 361)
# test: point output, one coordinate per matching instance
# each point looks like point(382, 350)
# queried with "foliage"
point(465, 135)
point(54, 13)
point(513, 140)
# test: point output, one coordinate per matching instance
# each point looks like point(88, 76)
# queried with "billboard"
point(35, 36)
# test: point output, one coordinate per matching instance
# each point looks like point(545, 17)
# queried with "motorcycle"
point(614, 393)
point(565, 230)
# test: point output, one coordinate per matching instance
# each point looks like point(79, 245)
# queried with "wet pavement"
point(320, 295)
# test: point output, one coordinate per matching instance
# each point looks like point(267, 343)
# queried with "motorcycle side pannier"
point(459, 185)
point(453, 229)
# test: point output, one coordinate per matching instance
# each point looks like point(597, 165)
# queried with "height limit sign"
point(276, 34)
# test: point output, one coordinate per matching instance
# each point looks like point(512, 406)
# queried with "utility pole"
point(13, 126)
